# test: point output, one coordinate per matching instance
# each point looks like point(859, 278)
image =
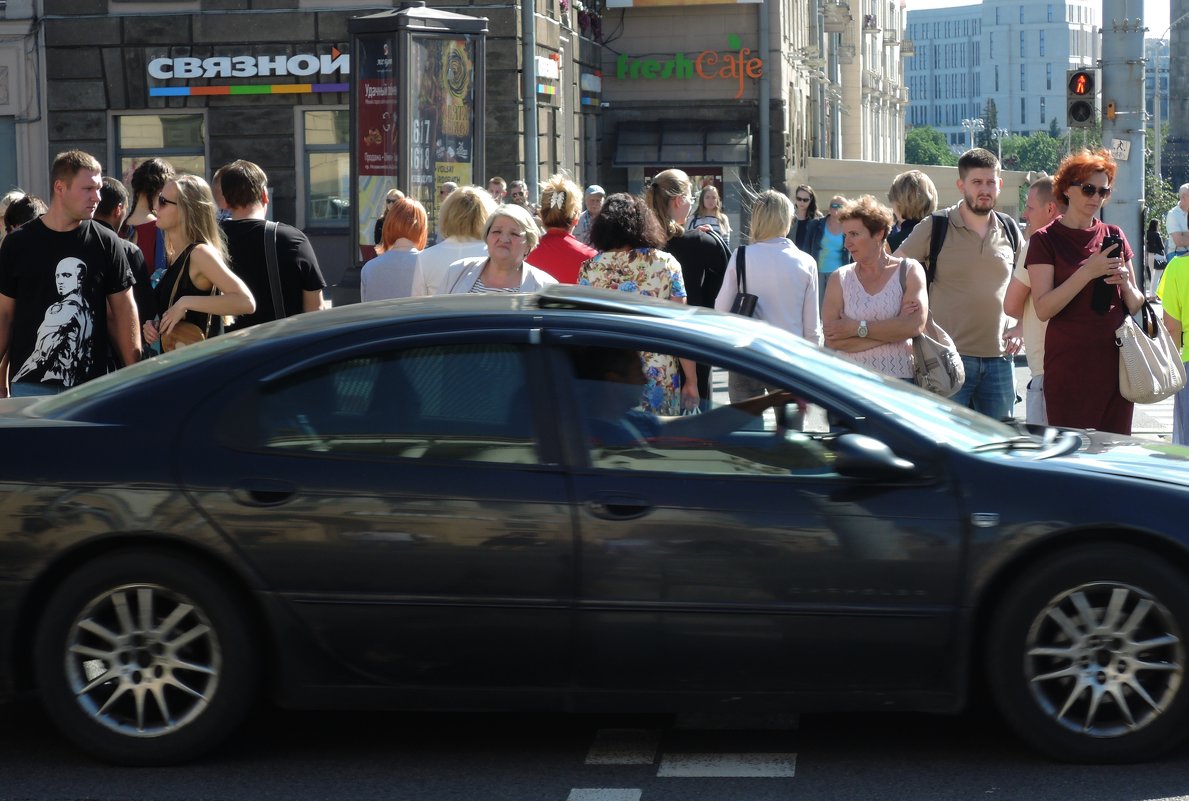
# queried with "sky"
point(1155, 11)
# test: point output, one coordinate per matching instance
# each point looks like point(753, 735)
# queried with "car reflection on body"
point(405, 504)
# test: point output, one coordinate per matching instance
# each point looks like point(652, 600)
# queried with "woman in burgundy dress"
point(1085, 294)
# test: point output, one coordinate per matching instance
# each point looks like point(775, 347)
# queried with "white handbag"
point(1150, 366)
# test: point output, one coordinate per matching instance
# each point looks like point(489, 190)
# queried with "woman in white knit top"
point(866, 315)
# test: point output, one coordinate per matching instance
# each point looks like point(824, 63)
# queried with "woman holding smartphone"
point(1082, 283)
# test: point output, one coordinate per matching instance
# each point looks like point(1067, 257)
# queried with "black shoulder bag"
point(745, 303)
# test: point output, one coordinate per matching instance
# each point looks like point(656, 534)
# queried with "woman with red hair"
point(405, 231)
point(1085, 288)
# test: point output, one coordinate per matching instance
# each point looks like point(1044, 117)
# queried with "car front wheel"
point(143, 659)
point(1087, 655)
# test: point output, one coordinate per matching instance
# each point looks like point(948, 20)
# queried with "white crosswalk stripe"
point(733, 766)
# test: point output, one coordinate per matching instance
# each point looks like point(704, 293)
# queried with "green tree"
point(1054, 129)
point(984, 138)
point(927, 145)
point(1039, 152)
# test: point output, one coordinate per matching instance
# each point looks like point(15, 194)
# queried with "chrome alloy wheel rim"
point(143, 660)
point(1104, 659)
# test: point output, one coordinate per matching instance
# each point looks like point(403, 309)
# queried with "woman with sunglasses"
point(824, 243)
point(1084, 289)
point(804, 212)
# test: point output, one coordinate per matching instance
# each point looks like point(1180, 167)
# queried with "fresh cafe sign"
point(737, 64)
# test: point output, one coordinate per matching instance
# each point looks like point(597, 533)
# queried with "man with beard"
point(968, 283)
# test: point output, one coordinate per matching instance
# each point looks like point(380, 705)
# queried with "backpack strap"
point(274, 272)
point(1012, 228)
point(741, 268)
point(939, 227)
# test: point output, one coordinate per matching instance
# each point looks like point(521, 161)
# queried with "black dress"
point(179, 273)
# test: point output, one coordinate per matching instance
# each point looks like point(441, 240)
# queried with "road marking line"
point(624, 747)
point(736, 766)
point(603, 794)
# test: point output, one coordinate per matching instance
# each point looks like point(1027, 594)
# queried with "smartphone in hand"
point(1104, 293)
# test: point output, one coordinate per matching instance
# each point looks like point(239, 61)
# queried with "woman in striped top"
point(511, 235)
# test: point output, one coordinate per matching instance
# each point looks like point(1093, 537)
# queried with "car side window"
point(453, 402)
point(766, 431)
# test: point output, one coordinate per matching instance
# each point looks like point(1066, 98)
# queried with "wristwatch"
point(862, 328)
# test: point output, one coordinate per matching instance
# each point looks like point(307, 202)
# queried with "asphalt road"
point(315, 756)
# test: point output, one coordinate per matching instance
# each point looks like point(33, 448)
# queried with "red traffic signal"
point(1081, 98)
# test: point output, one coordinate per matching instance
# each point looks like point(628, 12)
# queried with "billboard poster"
point(376, 128)
point(442, 97)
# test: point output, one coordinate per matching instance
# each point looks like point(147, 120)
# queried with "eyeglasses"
point(802, 200)
point(835, 205)
point(164, 201)
point(1089, 190)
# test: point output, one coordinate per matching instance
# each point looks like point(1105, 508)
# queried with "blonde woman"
point(511, 235)
point(708, 212)
point(198, 287)
point(462, 226)
point(559, 253)
point(913, 198)
point(783, 277)
point(702, 255)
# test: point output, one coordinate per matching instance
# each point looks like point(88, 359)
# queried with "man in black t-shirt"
point(65, 289)
point(245, 191)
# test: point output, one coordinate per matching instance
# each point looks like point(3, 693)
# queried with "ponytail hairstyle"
point(561, 202)
point(659, 196)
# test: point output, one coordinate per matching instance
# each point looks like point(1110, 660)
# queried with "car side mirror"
point(860, 456)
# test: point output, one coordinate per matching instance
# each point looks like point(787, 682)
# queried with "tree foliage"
point(926, 145)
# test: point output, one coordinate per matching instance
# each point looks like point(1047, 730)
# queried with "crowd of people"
point(177, 259)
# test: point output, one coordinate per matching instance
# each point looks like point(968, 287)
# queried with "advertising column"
point(377, 132)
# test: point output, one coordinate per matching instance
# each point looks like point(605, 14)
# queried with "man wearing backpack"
point(968, 266)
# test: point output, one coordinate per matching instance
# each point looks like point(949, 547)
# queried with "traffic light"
point(1081, 98)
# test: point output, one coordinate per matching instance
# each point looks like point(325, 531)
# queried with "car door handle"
point(263, 492)
point(618, 507)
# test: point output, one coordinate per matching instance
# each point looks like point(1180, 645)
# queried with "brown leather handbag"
point(185, 332)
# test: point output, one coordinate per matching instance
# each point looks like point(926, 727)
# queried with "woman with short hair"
point(462, 223)
point(782, 277)
point(559, 253)
point(867, 314)
point(391, 274)
point(913, 198)
point(1085, 291)
point(198, 287)
point(511, 234)
point(629, 238)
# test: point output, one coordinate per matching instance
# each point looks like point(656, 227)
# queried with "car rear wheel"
point(1087, 655)
point(143, 659)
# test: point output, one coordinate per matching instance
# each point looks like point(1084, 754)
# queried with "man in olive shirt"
point(969, 282)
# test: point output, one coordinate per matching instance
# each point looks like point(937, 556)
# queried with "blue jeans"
point(22, 389)
point(990, 386)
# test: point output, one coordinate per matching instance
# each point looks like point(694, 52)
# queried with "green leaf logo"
point(734, 42)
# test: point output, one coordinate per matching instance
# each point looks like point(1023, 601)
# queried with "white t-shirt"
point(1176, 221)
point(1034, 329)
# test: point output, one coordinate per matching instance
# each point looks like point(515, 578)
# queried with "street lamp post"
point(1156, 144)
point(999, 133)
point(971, 125)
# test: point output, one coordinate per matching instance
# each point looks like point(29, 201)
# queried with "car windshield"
point(927, 414)
point(57, 405)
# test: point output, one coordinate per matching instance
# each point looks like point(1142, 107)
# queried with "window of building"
point(996, 77)
point(1048, 76)
point(326, 167)
point(1049, 12)
point(1022, 53)
point(1043, 114)
point(998, 15)
point(180, 139)
point(1041, 50)
point(1021, 15)
point(991, 45)
point(1023, 112)
point(1023, 78)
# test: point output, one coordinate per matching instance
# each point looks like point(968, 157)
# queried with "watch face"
point(862, 329)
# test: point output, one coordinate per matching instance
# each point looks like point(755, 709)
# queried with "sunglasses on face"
point(1089, 190)
point(802, 200)
point(164, 201)
point(835, 205)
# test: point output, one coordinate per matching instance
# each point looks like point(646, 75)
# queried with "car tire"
point(1087, 655)
point(143, 658)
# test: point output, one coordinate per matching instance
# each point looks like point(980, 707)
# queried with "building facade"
point(1013, 54)
point(742, 94)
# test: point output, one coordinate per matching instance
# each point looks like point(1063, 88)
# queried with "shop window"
point(326, 167)
point(180, 139)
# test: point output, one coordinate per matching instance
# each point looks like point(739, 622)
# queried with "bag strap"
point(741, 268)
point(1012, 228)
point(939, 227)
point(903, 275)
point(185, 268)
point(274, 272)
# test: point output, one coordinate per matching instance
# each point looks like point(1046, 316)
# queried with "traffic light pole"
point(1123, 117)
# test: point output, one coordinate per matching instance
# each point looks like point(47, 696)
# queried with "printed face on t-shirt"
point(69, 275)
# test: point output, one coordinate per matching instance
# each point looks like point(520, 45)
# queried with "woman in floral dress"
point(628, 237)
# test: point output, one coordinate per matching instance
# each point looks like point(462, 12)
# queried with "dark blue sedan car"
point(458, 502)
